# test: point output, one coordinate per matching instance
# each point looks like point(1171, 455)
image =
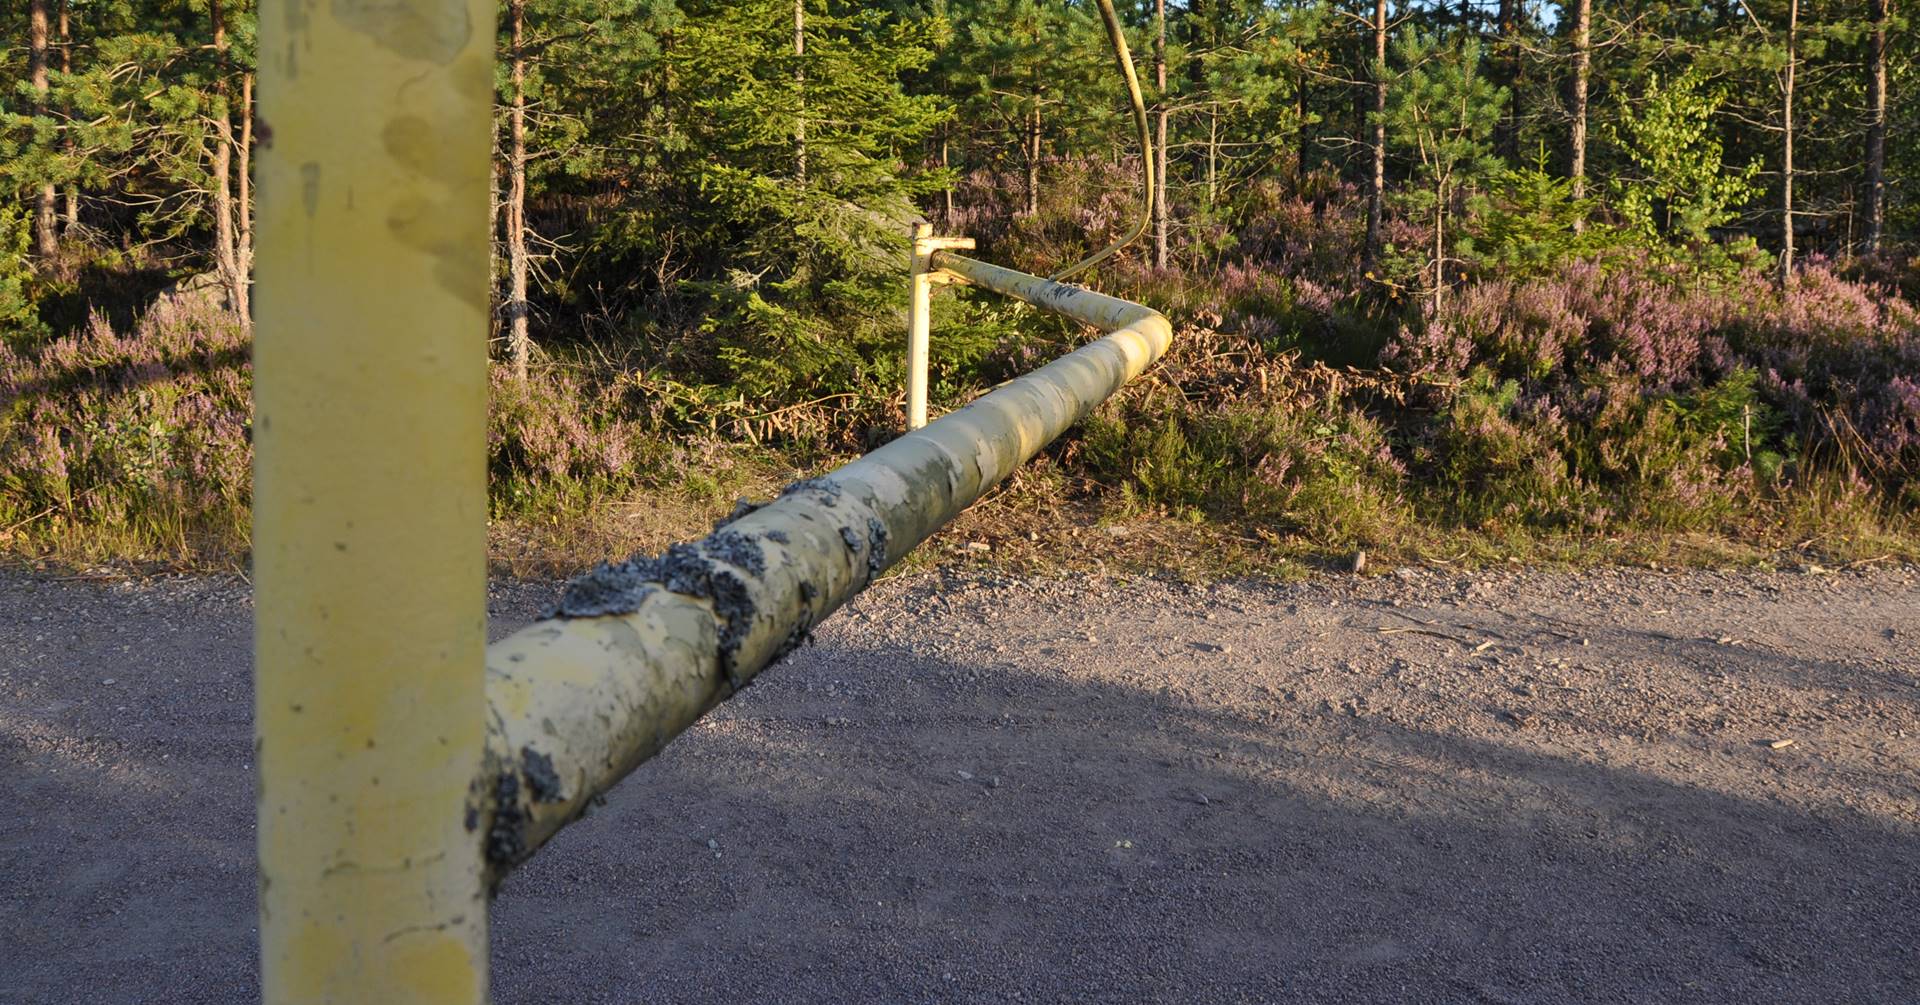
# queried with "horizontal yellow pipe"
point(636, 652)
point(1077, 302)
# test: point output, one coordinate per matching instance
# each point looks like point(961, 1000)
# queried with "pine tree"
point(1441, 115)
point(45, 241)
point(1021, 74)
point(1875, 162)
point(800, 260)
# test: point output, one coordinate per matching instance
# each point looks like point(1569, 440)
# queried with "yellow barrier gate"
point(404, 771)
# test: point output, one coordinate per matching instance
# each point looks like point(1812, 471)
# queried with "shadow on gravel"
point(1706, 653)
point(1117, 845)
point(890, 827)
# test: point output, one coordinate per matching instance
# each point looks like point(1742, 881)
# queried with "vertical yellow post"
point(370, 497)
point(919, 313)
point(918, 324)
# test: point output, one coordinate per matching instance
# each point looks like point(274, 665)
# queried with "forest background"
point(1623, 280)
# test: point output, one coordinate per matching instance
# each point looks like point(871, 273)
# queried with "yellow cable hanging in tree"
point(1121, 52)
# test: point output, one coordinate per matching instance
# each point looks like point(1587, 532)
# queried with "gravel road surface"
point(1425, 787)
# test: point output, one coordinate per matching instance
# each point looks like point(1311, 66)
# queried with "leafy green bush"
point(1685, 189)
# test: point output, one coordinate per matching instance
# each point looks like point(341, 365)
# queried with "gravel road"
point(1425, 787)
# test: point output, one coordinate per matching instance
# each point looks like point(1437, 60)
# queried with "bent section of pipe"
point(636, 652)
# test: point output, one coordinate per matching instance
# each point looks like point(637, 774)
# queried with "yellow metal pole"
point(918, 326)
point(919, 315)
point(370, 498)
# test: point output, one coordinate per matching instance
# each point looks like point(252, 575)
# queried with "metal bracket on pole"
point(919, 311)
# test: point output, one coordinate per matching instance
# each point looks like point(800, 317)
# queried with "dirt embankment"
point(1504, 787)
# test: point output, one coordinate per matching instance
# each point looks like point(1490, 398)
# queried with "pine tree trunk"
point(1198, 21)
point(1300, 139)
point(226, 258)
point(45, 241)
point(1300, 112)
point(1032, 150)
point(1377, 184)
point(1876, 166)
point(1439, 250)
point(946, 194)
point(800, 90)
point(1786, 141)
point(1582, 67)
point(519, 344)
point(1506, 136)
point(1203, 38)
point(72, 213)
point(1213, 153)
point(495, 234)
point(243, 210)
point(1160, 214)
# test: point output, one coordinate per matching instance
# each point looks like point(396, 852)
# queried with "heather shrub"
point(1663, 460)
point(1648, 330)
point(139, 446)
point(136, 444)
point(1554, 330)
point(558, 436)
point(1634, 396)
point(1583, 398)
point(1085, 204)
point(1894, 269)
point(1608, 395)
point(1615, 457)
point(1501, 461)
point(1258, 439)
point(1316, 232)
point(1841, 360)
point(1328, 474)
point(1280, 270)
point(1259, 303)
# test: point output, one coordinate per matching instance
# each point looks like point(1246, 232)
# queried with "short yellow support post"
point(919, 316)
point(370, 498)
